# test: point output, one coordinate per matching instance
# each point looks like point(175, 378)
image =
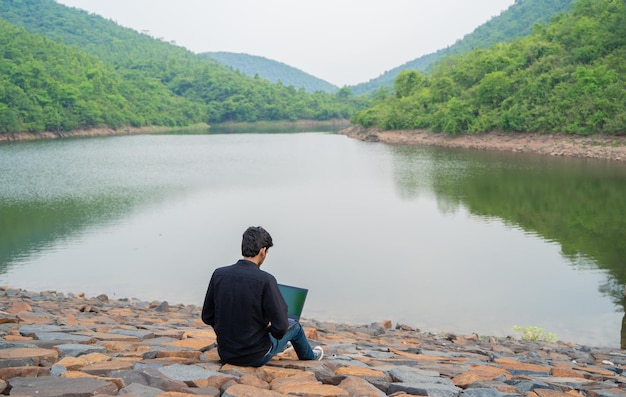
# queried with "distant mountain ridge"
point(133, 79)
point(64, 69)
point(274, 71)
point(515, 22)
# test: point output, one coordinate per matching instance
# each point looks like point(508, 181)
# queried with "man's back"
point(242, 304)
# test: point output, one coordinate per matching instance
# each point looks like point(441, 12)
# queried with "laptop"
point(294, 297)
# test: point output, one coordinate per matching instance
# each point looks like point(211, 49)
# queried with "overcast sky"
point(344, 42)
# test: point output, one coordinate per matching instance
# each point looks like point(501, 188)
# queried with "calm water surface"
point(439, 239)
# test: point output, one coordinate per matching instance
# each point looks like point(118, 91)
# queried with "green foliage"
point(568, 76)
point(78, 70)
point(408, 83)
point(48, 86)
point(517, 21)
point(535, 334)
point(273, 71)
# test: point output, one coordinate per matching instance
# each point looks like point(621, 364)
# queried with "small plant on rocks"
point(535, 334)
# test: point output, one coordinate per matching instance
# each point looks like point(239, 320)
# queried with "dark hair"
point(255, 238)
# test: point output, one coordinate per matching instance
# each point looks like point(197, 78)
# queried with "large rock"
point(478, 392)
point(6, 318)
point(49, 386)
point(62, 337)
point(202, 344)
point(130, 377)
point(519, 368)
point(188, 372)
point(155, 378)
point(365, 373)
point(425, 389)
point(30, 330)
point(403, 373)
point(113, 337)
point(21, 357)
point(305, 384)
point(18, 307)
point(77, 349)
point(104, 368)
point(249, 391)
point(141, 390)
point(25, 372)
point(360, 387)
point(479, 373)
point(254, 380)
point(136, 333)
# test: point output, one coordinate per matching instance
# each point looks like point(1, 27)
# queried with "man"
point(249, 315)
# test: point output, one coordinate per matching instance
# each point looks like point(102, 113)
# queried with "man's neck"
point(253, 259)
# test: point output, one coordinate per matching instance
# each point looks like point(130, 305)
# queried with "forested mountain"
point(252, 65)
point(515, 22)
point(148, 81)
point(45, 85)
point(567, 76)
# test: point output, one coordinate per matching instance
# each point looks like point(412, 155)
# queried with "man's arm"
point(208, 309)
point(276, 308)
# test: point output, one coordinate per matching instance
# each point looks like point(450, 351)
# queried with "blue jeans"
point(295, 335)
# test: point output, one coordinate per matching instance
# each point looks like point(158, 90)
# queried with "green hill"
point(160, 83)
point(45, 85)
point(273, 71)
point(567, 76)
point(515, 22)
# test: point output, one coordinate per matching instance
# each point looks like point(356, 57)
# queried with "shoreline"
point(107, 131)
point(68, 299)
point(91, 132)
point(603, 147)
point(66, 345)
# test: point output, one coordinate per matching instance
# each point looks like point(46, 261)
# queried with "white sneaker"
point(318, 352)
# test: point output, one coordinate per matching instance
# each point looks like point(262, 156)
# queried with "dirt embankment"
point(553, 144)
point(104, 131)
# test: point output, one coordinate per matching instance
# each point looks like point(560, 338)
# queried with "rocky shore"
point(55, 344)
point(83, 133)
point(107, 131)
point(553, 144)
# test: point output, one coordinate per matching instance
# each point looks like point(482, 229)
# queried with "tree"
point(408, 82)
point(567, 76)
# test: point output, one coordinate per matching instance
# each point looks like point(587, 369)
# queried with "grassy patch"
point(536, 334)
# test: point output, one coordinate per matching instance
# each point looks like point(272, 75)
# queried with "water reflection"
point(261, 128)
point(99, 215)
point(27, 228)
point(53, 191)
point(577, 203)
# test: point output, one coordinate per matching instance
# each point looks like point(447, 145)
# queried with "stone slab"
point(61, 387)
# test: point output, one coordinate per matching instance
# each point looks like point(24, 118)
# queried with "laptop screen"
point(294, 297)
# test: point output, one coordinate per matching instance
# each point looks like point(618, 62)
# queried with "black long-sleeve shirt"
point(243, 304)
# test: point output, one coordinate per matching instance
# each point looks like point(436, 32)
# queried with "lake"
point(443, 240)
